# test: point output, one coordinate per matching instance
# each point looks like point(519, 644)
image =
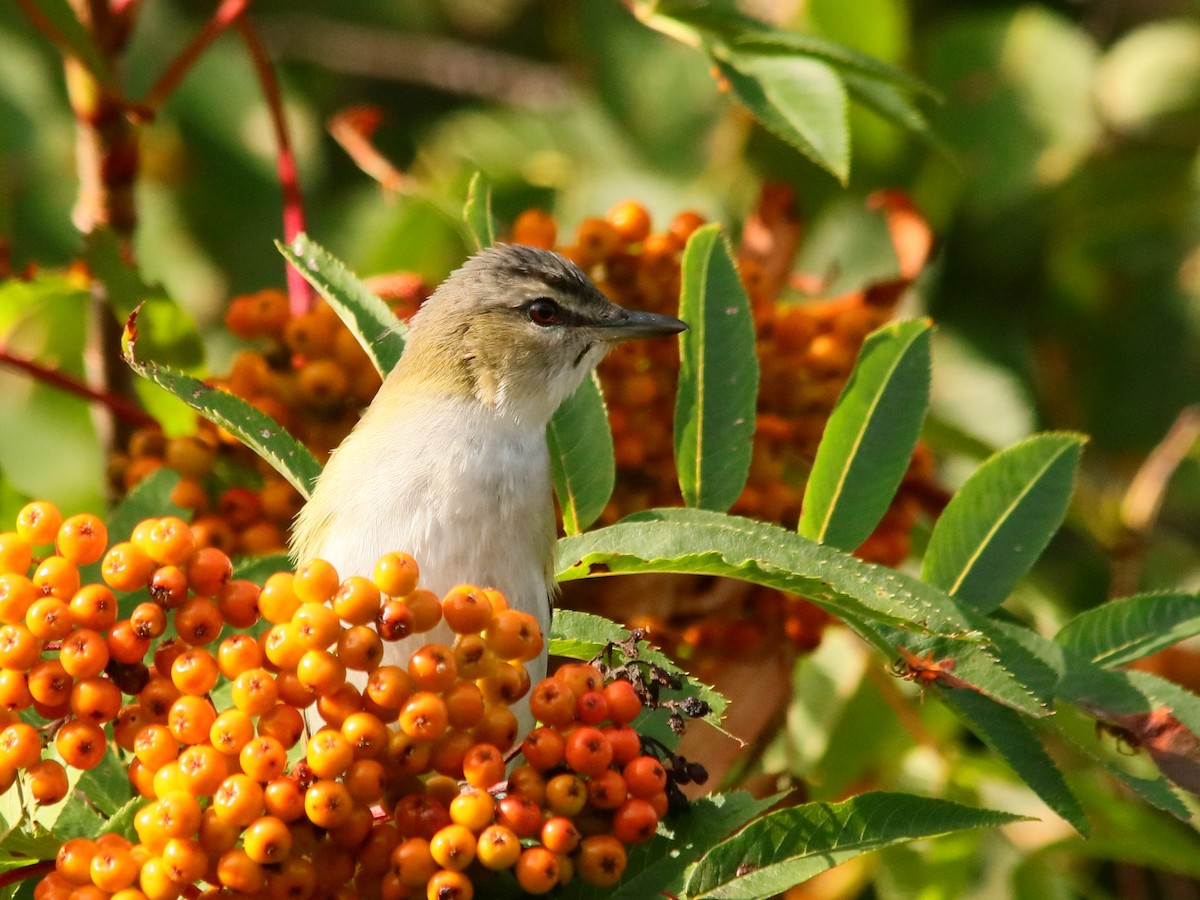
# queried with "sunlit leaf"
point(718, 375)
point(870, 437)
point(1120, 631)
point(478, 212)
point(1001, 520)
point(581, 456)
point(792, 845)
point(375, 326)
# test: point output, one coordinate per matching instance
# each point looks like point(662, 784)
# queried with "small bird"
point(449, 463)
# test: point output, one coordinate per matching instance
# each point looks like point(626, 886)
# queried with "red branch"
point(37, 870)
point(39, 21)
point(226, 13)
point(119, 406)
point(299, 293)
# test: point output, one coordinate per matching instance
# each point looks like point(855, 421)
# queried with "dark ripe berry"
point(129, 677)
point(394, 620)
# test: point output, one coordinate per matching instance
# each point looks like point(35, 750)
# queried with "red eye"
point(543, 311)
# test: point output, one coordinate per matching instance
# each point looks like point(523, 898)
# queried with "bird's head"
point(518, 328)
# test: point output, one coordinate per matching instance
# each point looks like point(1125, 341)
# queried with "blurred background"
point(1061, 190)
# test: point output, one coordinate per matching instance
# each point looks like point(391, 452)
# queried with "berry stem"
point(351, 128)
point(119, 406)
point(36, 870)
point(300, 295)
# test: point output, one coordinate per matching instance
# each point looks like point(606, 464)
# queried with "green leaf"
point(259, 568)
point(792, 845)
point(1120, 631)
point(255, 429)
point(801, 100)
point(894, 106)
point(121, 821)
point(1001, 520)
point(718, 375)
point(700, 542)
point(1009, 735)
point(106, 786)
point(477, 212)
point(579, 635)
point(581, 456)
point(377, 329)
point(870, 437)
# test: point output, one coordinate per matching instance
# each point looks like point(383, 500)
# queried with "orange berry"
point(498, 848)
point(49, 619)
point(498, 728)
point(519, 815)
point(47, 781)
point(321, 672)
point(473, 657)
point(149, 620)
point(231, 731)
point(389, 687)
point(473, 809)
point(580, 678)
point(191, 719)
point(96, 699)
point(357, 600)
point(535, 227)
point(396, 574)
point(544, 748)
point(195, 671)
point(56, 576)
point(155, 746)
point(317, 626)
point(626, 743)
point(208, 570)
point(238, 872)
point(630, 220)
point(328, 804)
point(238, 653)
point(359, 647)
point(432, 668)
point(284, 798)
point(282, 722)
point(254, 692)
point(426, 609)
point(238, 603)
point(198, 621)
point(20, 650)
point(263, 758)
point(38, 522)
point(607, 790)
point(316, 582)
point(16, 554)
point(329, 754)
point(17, 594)
point(634, 822)
point(202, 768)
point(566, 795)
point(81, 539)
point(537, 870)
point(413, 863)
point(453, 847)
point(424, 716)
point(125, 645)
point(238, 799)
point(81, 744)
point(74, 860)
point(277, 602)
point(365, 780)
point(366, 734)
point(267, 840)
point(466, 609)
point(514, 635)
point(49, 683)
point(483, 766)
point(552, 703)
point(624, 705)
point(464, 704)
point(185, 860)
point(169, 586)
point(169, 542)
point(559, 835)
point(126, 567)
point(601, 860)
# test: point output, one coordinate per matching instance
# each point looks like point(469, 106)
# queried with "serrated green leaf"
point(107, 786)
point(121, 821)
point(864, 596)
point(477, 212)
point(1009, 735)
point(1001, 520)
point(1120, 631)
point(581, 456)
point(792, 845)
point(893, 105)
point(578, 635)
point(375, 327)
point(799, 99)
point(255, 429)
point(870, 437)
point(78, 819)
point(718, 375)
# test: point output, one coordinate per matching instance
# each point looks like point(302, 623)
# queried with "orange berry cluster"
point(307, 372)
point(208, 686)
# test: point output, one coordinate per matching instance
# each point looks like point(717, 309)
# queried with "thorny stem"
point(300, 297)
point(124, 409)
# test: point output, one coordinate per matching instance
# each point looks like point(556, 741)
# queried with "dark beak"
point(636, 323)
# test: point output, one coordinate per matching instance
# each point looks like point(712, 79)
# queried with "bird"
point(449, 462)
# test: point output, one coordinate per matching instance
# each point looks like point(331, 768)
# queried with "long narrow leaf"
point(790, 846)
point(701, 542)
point(255, 429)
point(477, 212)
point(718, 376)
point(1001, 520)
point(1120, 631)
point(377, 329)
point(870, 437)
point(1010, 736)
point(581, 456)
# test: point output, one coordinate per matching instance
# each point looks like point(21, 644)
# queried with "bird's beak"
point(636, 323)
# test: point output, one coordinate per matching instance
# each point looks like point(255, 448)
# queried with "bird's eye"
point(543, 311)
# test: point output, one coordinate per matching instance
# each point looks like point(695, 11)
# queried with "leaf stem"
point(300, 295)
point(119, 406)
point(226, 13)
